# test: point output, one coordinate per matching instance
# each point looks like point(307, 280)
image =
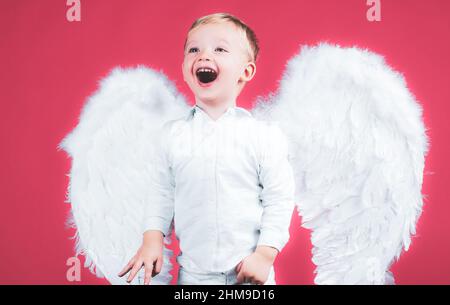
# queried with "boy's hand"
point(255, 268)
point(149, 255)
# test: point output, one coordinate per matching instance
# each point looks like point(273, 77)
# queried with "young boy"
point(223, 177)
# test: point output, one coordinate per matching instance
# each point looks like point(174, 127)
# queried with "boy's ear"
point(249, 72)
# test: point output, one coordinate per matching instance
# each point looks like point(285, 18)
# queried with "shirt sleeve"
point(159, 208)
point(277, 196)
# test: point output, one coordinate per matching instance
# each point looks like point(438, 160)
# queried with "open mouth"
point(206, 75)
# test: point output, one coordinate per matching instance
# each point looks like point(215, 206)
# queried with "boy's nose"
point(204, 55)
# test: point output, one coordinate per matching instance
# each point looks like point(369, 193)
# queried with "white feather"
point(357, 144)
point(111, 150)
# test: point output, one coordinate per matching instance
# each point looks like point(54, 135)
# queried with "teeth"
point(205, 70)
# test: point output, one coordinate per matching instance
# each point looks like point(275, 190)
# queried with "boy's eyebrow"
point(190, 42)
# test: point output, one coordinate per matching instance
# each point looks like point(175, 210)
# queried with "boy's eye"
point(220, 49)
point(192, 50)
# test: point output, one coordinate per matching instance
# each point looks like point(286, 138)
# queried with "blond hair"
point(223, 17)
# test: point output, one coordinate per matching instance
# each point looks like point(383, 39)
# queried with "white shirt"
point(227, 185)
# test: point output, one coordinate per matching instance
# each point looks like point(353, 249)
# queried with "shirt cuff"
point(156, 223)
point(273, 238)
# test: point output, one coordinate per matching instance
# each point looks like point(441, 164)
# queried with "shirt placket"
point(211, 130)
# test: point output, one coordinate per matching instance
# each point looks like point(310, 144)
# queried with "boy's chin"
point(208, 98)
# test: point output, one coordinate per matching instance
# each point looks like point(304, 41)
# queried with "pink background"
point(49, 66)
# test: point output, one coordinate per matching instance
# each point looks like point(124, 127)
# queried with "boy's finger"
point(148, 274)
point(147, 278)
point(157, 267)
point(250, 280)
point(238, 267)
point(126, 269)
point(137, 266)
point(240, 277)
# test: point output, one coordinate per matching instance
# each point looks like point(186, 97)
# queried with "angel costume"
point(229, 187)
point(355, 139)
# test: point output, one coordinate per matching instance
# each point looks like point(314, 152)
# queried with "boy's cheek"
point(185, 68)
point(186, 75)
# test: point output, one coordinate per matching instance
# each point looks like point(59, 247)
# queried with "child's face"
point(224, 49)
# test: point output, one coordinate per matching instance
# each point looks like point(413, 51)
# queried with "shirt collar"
point(232, 110)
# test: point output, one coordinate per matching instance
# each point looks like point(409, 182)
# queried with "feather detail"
point(357, 145)
point(112, 149)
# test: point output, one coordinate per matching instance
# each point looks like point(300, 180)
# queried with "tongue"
point(206, 77)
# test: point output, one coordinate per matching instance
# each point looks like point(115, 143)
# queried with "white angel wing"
point(357, 143)
point(111, 150)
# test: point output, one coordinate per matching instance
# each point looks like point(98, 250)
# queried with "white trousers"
point(186, 277)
